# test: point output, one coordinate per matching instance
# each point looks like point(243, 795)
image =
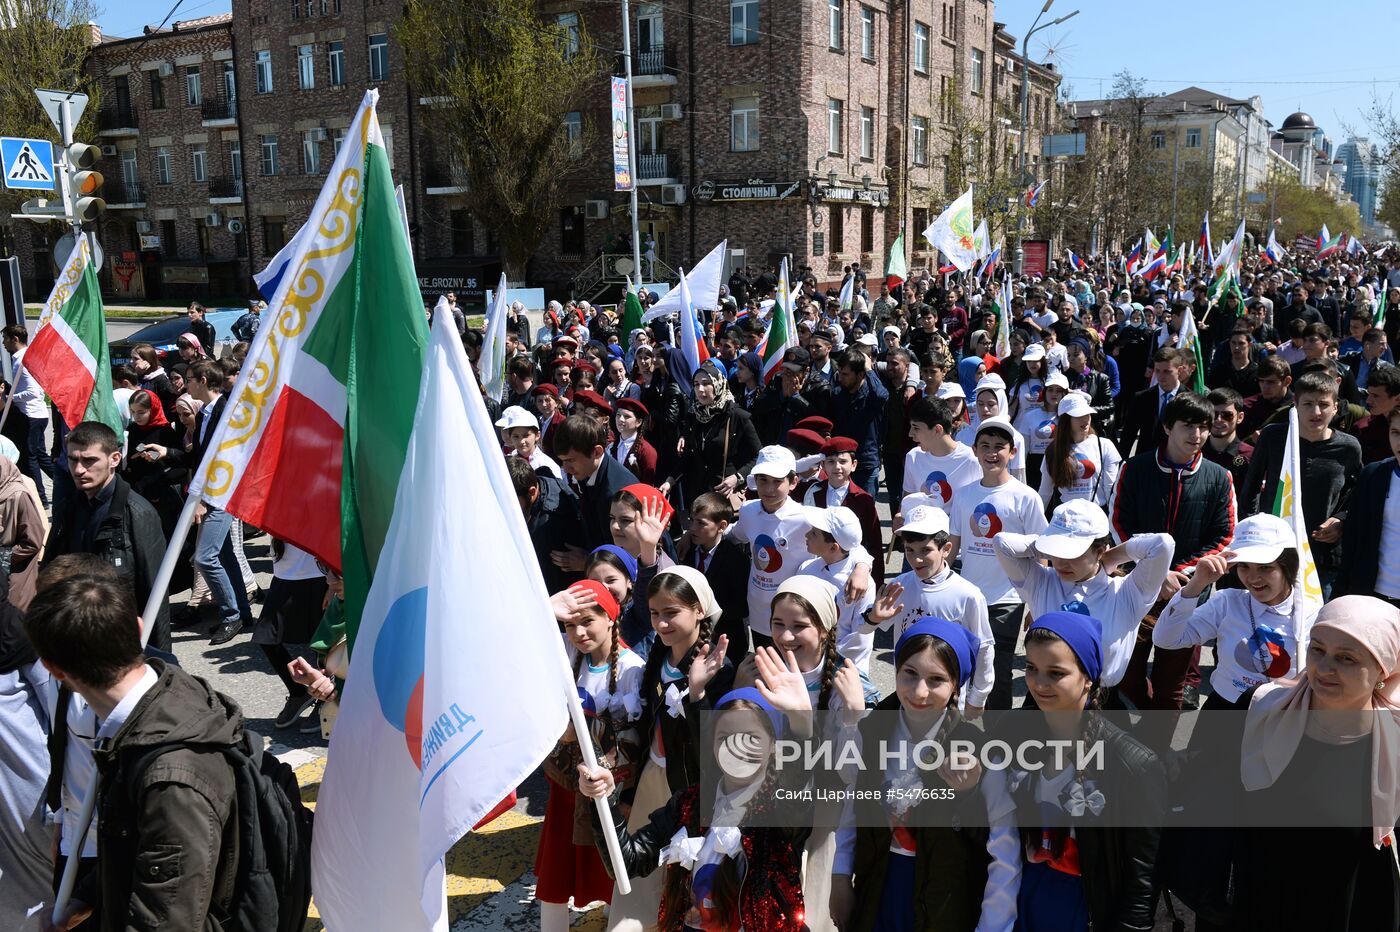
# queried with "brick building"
point(813, 128)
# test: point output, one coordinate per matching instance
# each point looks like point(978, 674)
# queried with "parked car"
point(163, 333)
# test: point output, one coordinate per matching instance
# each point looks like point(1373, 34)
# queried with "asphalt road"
point(121, 329)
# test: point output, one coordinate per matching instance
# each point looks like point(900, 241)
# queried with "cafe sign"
point(840, 193)
point(747, 189)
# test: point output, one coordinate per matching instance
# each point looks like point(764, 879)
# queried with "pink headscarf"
point(1274, 726)
point(193, 342)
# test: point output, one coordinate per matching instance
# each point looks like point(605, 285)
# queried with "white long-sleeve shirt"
point(852, 640)
point(1242, 626)
point(29, 396)
point(1118, 602)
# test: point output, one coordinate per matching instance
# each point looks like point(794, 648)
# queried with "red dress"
point(562, 868)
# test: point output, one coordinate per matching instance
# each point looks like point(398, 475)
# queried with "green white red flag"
point(782, 329)
point(68, 354)
point(896, 267)
point(317, 426)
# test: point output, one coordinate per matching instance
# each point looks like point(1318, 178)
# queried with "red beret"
point(583, 364)
point(819, 425)
point(804, 441)
point(592, 399)
point(567, 361)
point(635, 406)
point(839, 445)
point(545, 388)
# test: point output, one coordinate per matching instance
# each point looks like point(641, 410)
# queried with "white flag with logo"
point(456, 688)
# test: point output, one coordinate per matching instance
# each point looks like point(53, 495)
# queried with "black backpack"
point(272, 882)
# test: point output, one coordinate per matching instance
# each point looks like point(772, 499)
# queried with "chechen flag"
point(68, 355)
point(316, 428)
point(445, 710)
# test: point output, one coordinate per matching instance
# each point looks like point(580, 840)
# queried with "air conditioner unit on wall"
point(213, 219)
point(595, 210)
point(109, 149)
point(673, 194)
point(166, 69)
point(670, 111)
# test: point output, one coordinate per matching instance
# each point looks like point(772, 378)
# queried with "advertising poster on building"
point(622, 170)
point(1037, 257)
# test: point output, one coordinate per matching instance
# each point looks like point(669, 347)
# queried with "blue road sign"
point(28, 163)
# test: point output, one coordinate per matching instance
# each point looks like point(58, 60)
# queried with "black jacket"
point(1329, 474)
point(727, 572)
point(1116, 863)
point(706, 461)
point(1361, 532)
point(1195, 505)
point(167, 845)
point(775, 414)
point(595, 500)
point(129, 537)
point(1095, 385)
point(680, 734)
point(1142, 422)
point(205, 331)
point(554, 523)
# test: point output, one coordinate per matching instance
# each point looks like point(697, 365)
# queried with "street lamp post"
point(1020, 254)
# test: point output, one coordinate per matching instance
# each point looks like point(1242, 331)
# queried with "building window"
point(570, 36)
point(571, 231)
point(388, 133)
point(274, 235)
point(206, 245)
point(867, 132)
point(833, 125)
point(837, 227)
point(199, 164)
point(306, 67)
point(976, 79)
point(163, 168)
point(131, 176)
point(1193, 139)
point(867, 231)
point(573, 132)
point(235, 161)
point(194, 91)
point(651, 34)
point(867, 33)
point(743, 22)
point(230, 82)
point(379, 56)
point(943, 98)
point(269, 154)
point(920, 134)
point(168, 238)
point(743, 124)
point(837, 25)
point(311, 151)
point(337, 140)
point(1159, 140)
point(157, 90)
point(335, 62)
point(921, 48)
point(947, 175)
point(461, 221)
point(263, 70)
point(920, 224)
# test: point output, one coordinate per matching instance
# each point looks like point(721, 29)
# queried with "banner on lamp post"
point(621, 138)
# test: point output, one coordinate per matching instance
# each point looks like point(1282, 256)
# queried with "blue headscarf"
point(750, 694)
point(1083, 634)
point(678, 368)
point(627, 559)
point(967, 375)
point(964, 643)
point(755, 364)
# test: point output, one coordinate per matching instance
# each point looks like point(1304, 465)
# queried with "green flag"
point(631, 313)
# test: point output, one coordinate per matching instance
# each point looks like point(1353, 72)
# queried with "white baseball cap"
point(889, 330)
point(997, 423)
point(951, 389)
point(840, 522)
point(913, 500)
point(777, 462)
point(1033, 352)
point(868, 339)
point(516, 416)
point(1057, 378)
point(925, 519)
point(1261, 538)
point(1073, 527)
point(1075, 404)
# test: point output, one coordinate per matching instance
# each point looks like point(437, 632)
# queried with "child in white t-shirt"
point(833, 534)
point(939, 464)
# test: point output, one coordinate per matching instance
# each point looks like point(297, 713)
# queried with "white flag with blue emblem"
point(452, 698)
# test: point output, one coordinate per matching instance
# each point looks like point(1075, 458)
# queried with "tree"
point(44, 43)
point(504, 81)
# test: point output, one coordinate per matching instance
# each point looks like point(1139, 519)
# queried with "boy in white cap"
point(1260, 630)
point(775, 527)
point(833, 534)
point(932, 590)
point(520, 431)
point(1079, 545)
point(981, 511)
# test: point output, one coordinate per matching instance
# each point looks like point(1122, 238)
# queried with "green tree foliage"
point(504, 79)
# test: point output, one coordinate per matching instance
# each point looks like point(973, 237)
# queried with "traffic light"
point(83, 182)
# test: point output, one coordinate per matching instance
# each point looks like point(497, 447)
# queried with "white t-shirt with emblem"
point(940, 476)
point(1097, 463)
point(980, 514)
point(1037, 426)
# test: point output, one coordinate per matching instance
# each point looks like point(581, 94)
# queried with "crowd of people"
point(1077, 487)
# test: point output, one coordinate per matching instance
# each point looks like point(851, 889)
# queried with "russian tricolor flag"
point(1134, 256)
point(1033, 192)
point(692, 336)
point(1076, 262)
point(1155, 267)
point(1205, 242)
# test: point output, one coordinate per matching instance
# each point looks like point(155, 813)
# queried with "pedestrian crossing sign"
point(28, 163)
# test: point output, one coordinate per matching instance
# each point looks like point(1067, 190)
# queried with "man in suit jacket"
point(1374, 346)
point(840, 489)
point(725, 563)
point(1142, 418)
point(580, 446)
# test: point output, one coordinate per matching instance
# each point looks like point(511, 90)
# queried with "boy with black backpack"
point(197, 829)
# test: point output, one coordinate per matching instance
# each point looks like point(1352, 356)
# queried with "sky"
point(1326, 60)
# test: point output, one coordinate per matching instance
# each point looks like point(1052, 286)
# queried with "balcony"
point(657, 168)
point(116, 121)
point(121, 195)
point(219, 111)
point(653, 67)
point(225, 189)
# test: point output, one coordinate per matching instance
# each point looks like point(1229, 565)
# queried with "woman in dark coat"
point(665, 379)
point(718, 443)
point(154, 479)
